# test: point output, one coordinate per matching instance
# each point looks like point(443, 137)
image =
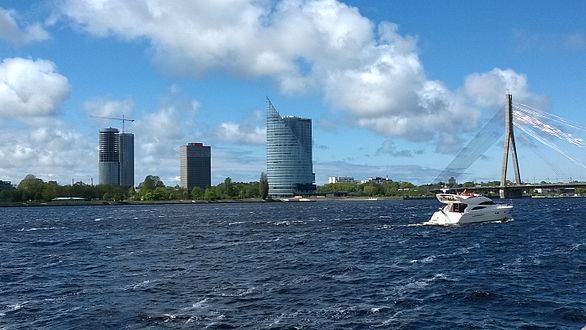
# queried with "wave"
point(40, 228)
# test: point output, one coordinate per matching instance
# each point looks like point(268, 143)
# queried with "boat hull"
point(499, 213)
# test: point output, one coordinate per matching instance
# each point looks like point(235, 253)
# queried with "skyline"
point(393, 89)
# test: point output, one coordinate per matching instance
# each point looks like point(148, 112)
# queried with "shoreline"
point(183, 202)
point(236, 201)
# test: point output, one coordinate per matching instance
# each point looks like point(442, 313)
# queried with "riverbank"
point(222, 201)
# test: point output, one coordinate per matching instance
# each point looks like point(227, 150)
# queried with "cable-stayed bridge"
point(540, 126)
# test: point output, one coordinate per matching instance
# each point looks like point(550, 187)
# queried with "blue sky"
point(394, 88)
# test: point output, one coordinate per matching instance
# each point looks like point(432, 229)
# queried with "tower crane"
point(123, 119)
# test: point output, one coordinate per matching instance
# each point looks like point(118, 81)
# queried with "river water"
point(350, 264)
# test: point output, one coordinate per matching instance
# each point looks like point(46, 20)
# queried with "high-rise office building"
point(289, 155)
point(195, 166)
point(116, 158)
point(126, 142)
point(109, 152)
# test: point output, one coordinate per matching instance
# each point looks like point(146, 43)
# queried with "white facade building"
point(340, 179)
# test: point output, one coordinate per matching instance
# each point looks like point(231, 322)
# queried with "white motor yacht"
point(468, 208)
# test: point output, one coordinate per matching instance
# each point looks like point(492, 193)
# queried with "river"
point(330, 264)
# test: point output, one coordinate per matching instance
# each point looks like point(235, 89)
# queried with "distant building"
point(126, 159)
point(109, 157)
point(195, 166)
point(340, 179)
point(376, 179)
point(116, 158)
point(289, 155)
point(5, 185)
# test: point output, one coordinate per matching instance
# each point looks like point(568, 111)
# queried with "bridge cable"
point(548, 144)
point(486, 137)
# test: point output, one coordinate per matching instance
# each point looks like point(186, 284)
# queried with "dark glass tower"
point(195, 166)
point(126, 159)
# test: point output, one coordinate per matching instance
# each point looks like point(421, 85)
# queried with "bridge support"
point(506, 192)
point(511, 192)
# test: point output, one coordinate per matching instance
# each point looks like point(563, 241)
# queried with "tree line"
point(33, 189)
point(387, 188)
point(152, 188)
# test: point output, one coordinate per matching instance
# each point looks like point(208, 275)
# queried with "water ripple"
point(291, 265)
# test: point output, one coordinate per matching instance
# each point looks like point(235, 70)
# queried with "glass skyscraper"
point(126, 141)
point(195, 166)
point(116, 158)
point(289, 155)
point(109, 157)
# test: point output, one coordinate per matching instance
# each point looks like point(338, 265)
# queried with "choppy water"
point(286, 265)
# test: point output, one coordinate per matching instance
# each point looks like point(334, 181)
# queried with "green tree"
point(373, 189)
point(107, 196)
point(147, 187)
point(263, 186)
point(251, 190)
point(229, 189)
point(31, 188)
point(50, 191)
point(210, 194)
point(196, 193)
point(151, 182)
point(160, 193)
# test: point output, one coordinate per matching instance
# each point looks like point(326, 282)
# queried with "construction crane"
point(123, 119)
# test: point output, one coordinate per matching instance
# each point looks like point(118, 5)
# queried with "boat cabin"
point(458, 207)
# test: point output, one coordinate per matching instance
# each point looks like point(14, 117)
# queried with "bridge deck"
point(530, 186)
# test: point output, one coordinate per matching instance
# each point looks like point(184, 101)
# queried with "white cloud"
point(389, 147)
point(11, 32)
point(48, 149)
point(108, 107)
point(550, 42)
point(236, 133)
point(30, 88)
point(240, 164)
point(410, 173)
point(488, 89)
point(575, 41)
point(369, 71)
point(159, 133)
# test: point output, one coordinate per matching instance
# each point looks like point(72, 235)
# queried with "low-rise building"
point(340, 179)
point(376, 179)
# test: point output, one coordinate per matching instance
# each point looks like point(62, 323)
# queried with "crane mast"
point(122, 119)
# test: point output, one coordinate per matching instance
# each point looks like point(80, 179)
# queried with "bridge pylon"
point(506, 192)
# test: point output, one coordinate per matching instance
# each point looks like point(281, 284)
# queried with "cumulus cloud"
point(11, 32)
point(240, 164)
point(108, 107)
point(389, 147)
point(160, 132)
point(555, 42)
point(369, 71)
point(48, 149)
point(488, 89)
point(236, 133)
point(30, 88)
point(411, 173)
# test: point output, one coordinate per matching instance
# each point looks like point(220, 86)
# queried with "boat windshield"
point(459, 207)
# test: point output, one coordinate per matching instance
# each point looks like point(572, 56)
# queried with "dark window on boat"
point(487, 203)
point(478, 208)
point(459, 207)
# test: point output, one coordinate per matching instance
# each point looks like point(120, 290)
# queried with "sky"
point(393, 88)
